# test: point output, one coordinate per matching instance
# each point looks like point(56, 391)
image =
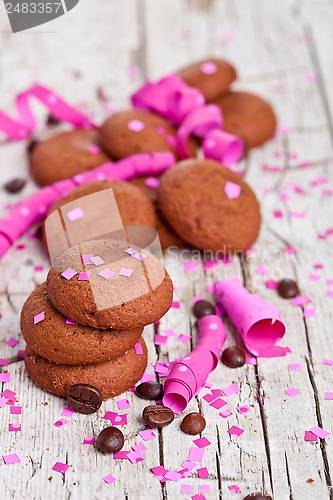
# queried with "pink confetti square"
point(169, 332)
point(4, 362)
point(318, 431)
point(271, 284)
point(138, 348)
point(13, 342)
point(187, 464)
point(203, 473)
point(309, 312)
point(16, 410)
point(159, 470)
point(235, 489)
point(109, 479)
point(69, 273)
point(196, 454)
point(292, 392)
point(299, 300)
point(328, 395)
point(232, 190)
point(88, 440)
point(295, 367)
point(235, 431)
point(189, 266)
point(70, 322)
point(11, 459)
point(131, 251)
point(243, 409)
point(209, 398)
point(84, 276)
point(152, 182)
point(67, 412)
point(202, 442)
point(60, 467)
point(5, 377)
point(107, 273)
point(225, 414)
point(123, 404)
point(218, 403)
point(120, 420)
point(121, 455)
point(39, 317)
point(86, 258)
point(124, 271)
point(75, 214)
point(208, 68)
point(139, 256)
point(147, 377)
point(309, 436)
point(14, 427)
point(135, 125)
point(147, 434)
point(184, 338)
point(135, 457)
point(160, 340)
point(173, 476)
point(139, 448)
point(3, 402)
point(97, 260)
point(60, 423)
point(175, 304)
point(93, 149)
point(231, 389)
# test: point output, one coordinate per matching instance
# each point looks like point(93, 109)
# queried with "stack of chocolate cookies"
point(84, 325)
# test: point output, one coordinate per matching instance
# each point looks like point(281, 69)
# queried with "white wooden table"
point(283, 51)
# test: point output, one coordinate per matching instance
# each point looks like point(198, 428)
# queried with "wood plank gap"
point(291, 497)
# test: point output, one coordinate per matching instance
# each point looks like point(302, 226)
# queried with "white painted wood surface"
point(282, 50)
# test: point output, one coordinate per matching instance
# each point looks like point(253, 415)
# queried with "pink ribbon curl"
point(186, 108)
point(25, 123)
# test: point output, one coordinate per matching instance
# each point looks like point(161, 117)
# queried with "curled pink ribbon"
point(25, 123)
point(185, 107)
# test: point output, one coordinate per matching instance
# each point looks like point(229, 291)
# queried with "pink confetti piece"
point(135, 125)
point(86, 258)
point(318, 431)
point(231, 389)
point(309, 312)
point(68, 273)
point(60, 423)
point(123, 404)
point(38, 318)
point(314, 277)
point(290, 250)
point(295, 367)
point(97, 260)
point(109, 479)
point(189, 266)
point(138, 348)
point(11, 459)
point(4, 362)
point(5, 377)
point(262, 270)
point(208, 68)
point(75, 214)
point(124, 271)
point(235, 489)
point(130, 251)
point(16, 410)
point(139, 256)
point(235, 431)
point(169, 332)
point(329, 293)
point(67, 412)
point(121, 455)
point(20, 353)
point(70, 322)
point(173, 476)
point(10, 395)
point(93, 149)
point(120, 420)
point(218, 403)
point(292, 392)
point(159, 470)
point(251, 360)
point(278, 214)
point(107, 273)
point(187, 464)
point(152, 182)
point(135, 457)
point(232, 190)
point(202, 442)
point(175, 304)
point(84, 276)
point(243, 409)
point(139, 448)
point(14, 427)
point(328, 396)
point(133, 70)
point(203, 473)
point(196, 454)
point(88, 440)
point(300, 300)
point(13, 342)
point(3, 402)
point(209, 398)
point(147, 434)
point(147, 377)
point(184, 338)
point(309, 436)
point(160, 340)
point(225, 414)
point(38, 269)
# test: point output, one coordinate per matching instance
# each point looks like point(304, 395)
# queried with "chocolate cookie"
point(60, 341)
point(248, 116)
point(134, 206)
point(122, 292)
point(212, 77)
point(110, 378)
point(134, 131)
point(65, 155)
point(210, 206)
point(167, 236)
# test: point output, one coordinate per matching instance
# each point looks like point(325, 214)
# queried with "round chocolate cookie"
point(123, 291)
point(65, 155)
point(212, 77)
point(248, 116)
point(110, 378)
point(210, 206)
point(60, 341)
point(167, 236)
point(134, 131)
point(134, 206)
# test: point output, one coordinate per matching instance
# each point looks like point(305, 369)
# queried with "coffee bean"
point(202, 308)
point(287, 289)
point(15, 186)
point(233, 357)
point(150, 390)
point(193, 423)
point(257, 496)
point(84, 398)
point(157, 416)
point(110, 440)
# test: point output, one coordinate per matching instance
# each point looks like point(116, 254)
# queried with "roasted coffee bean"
point(287, 289)
point(110, 440)
point(157, 416)
point(150, 390)
point(257, 496)
point(202, 308)
point(15, 186)
point(193, 423)
point(233, 357)
point(84, 398)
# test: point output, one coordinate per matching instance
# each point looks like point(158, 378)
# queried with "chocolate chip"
point(157, 416)
point(150, 390)
point(287, 289)
point(193, 423)
point(15, 186)
point(257, 496)
point(84, 398)
point(233, 357)
point(202, 308)
point(110, 440)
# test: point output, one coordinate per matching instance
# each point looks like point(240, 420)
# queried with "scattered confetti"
point(84, 276)
point(75, 214)
point(109, 479)
point(292, 392)
point(232, 190)
point(69, 273)
point(11, 459)
point(235, 431)
point(124, 271)
point(107, 273)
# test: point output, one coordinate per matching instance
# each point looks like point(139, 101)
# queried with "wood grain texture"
point(282, 51)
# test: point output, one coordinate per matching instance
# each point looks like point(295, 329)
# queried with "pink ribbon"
point(189, 374)
point(25, 123)
point(185, 107)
